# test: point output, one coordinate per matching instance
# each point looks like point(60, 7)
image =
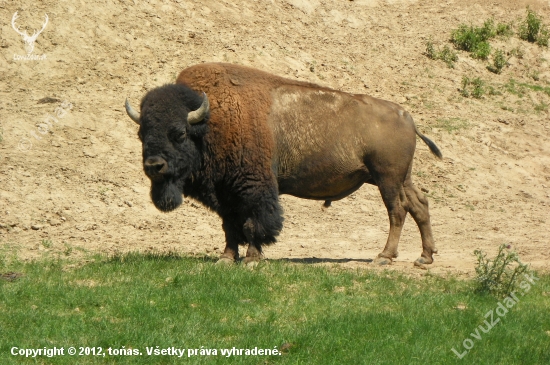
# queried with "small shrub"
point(487, 31)
point(478, 88)
point(465, 38)
point(482, 51)
point(504, 30)
point(447, 55)
point(465, 82)
point(431, 51)
point(499, 62)
point(474, 39)
point(533, 30)
point(544, 38)
point(47, 243)
point(498, 276)
point(474, 87)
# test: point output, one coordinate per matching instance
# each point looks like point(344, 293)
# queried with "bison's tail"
point(433, 147)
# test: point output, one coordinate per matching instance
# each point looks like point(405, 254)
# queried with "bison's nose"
point(155, 166)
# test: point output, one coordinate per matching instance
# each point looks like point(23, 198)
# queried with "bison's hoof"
point(420, 266)
point(382, 261)
point(251, 262)
point(421, 262)
point(225, 261)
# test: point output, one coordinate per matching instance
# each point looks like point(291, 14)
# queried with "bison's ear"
point(132, 113)
point(198, 115)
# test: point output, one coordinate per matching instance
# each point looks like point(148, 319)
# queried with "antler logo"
point(29, 40)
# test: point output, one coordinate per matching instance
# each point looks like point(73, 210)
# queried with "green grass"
point(538, 88)
point(451, 124)
point(542, 107)
point(315, 315)
point(515, 88)
point(519, 88)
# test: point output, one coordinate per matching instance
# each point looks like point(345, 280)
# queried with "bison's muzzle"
point(164, 191)
point(155, 167)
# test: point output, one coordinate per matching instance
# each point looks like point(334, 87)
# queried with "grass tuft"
point(519, 88)
point(542, 107)
point(472, 87)
point(517, 52)
point(451, 124)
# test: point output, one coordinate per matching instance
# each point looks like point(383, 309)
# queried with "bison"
point(235, 138)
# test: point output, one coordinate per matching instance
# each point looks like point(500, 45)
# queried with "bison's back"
point(313, 138)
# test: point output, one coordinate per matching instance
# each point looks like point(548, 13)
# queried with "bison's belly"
point(322, 183)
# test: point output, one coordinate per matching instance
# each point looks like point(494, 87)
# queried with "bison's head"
point(172, 124)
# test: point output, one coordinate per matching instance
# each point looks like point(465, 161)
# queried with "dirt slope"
point(80, 187)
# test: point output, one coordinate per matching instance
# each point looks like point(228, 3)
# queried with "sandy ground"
point(70, 172)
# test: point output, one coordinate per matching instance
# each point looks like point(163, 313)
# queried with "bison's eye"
point(179, 136)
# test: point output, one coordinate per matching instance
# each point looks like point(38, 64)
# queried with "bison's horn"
point(132, 113)
point(199, 114)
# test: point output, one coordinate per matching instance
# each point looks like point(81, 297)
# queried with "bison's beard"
point(166, 195)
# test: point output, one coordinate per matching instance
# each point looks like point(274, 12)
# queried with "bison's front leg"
point(233, 237)
point(254, 252)
point(263, 224)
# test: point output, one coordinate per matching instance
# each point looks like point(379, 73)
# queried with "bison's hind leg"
point(395, 201)
point(418, 207)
